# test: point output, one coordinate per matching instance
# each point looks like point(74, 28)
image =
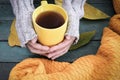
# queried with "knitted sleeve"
point(22, 10)
point(75, 10)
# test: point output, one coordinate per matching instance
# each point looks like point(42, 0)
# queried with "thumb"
point(34, 40)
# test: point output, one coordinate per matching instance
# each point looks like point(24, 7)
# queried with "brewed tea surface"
point(50, 19)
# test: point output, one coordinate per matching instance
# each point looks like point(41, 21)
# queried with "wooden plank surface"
point(5, 29)
point(16, 54)
point(5, 69)
point(99, 1)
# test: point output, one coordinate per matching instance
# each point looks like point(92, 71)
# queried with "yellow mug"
point(52, 36)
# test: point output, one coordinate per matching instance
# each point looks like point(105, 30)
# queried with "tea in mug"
point(50, 20)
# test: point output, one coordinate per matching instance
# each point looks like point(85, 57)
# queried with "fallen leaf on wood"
point(93, 13)
point(84, 39)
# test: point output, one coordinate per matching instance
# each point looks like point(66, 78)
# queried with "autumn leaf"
point(93, 13)
point(84, 39)
point(13, 37)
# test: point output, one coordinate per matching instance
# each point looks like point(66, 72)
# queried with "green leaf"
point(84, 39)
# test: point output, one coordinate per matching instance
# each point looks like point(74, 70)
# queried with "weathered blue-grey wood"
point(106, 8)
point(99, 1)
point(6, 12)
point(16, 54)
point(4, 29)
point(97, 25)
point(5, 69)
point(4, 2)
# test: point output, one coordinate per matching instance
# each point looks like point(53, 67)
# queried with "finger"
point(58, 53)
point(33, 50)
point(34, 40)
point(64, 49)
point(67, 42)
point(39, 46)
point(59, 46)
point(56, 56)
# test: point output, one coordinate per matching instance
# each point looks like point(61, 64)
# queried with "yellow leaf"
point(13, 37)
point(84, 39)
point(93, 13)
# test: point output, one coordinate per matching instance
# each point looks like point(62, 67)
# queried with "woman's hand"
point(51, 52)
point(37, 48)
point(60, 49)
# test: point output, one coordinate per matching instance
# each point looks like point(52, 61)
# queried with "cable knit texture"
point(23, 12)
point(75, 10)
point(105, 65)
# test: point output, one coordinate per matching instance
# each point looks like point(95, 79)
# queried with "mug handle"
point(44, 2)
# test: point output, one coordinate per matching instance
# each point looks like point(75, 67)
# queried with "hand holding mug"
point(50, 23)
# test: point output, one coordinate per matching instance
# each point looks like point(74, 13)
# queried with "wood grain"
point(16, 54)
